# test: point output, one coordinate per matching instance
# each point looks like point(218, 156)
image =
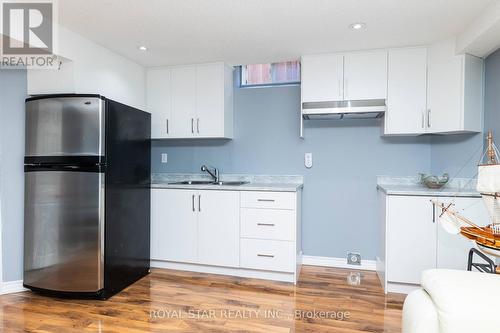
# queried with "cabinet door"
point(445, 88)
point(183, 101)
point(159, 102)
point(219, 233)
point(453, 250)
point(210, 100)
point(406, 91)
point(174, 227)
point(365, 76)
point(411, 238)
point(322, 78)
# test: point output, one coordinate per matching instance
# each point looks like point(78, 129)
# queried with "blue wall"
point(456, 154)
point(340, 198)
point(12, 95)
point(492, 95)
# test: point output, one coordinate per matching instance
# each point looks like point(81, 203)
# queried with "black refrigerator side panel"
point(127, 211)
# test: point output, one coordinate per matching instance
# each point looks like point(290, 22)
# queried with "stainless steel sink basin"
point(231, 183)
point(208, 182)
point(194, 182)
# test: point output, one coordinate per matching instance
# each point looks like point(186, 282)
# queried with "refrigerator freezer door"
point(64, 230)
point(65, 126)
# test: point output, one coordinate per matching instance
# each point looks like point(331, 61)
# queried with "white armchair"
point(453, 301)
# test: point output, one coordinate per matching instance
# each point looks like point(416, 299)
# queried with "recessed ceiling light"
point(357, 26)
point(143, 48)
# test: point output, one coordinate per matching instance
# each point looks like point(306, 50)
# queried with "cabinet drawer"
point(267, 255)
point(276, 200)
point(267, 224)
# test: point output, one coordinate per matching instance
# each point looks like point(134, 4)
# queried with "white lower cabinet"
point(174, 227)
point(218, 228)
point(411, 238)
point(195, 226)
point(414, 240)
point(268, 224)
point(453, 250)
point(268, 255)
point(243, 233)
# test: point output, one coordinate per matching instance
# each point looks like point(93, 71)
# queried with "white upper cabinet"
point(406, 92)
point(158, 89)
point(183, 101)
point(213, 105)
point(455, 90)
point(338, 77)
point(365, 75)
point(427, 90)
point(193, 101)
point(322, 78)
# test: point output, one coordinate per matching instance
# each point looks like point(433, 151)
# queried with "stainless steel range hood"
point(360, 109)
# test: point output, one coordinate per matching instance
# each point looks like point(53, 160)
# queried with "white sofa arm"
point(419, 314)
point(465, 301)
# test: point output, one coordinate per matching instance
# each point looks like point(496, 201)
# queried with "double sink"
point(214, 172)
point(209, 182)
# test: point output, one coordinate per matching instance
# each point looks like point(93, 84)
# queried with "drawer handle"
point(266, 200)
point(266, 224)
point(265, 255)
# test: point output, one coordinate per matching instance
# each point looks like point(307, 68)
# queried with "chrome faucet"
point(214, 173)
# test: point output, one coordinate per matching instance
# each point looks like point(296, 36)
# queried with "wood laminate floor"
point(175, 301)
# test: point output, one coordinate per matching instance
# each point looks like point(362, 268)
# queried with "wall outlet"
point(308, 160)
point(164, 158)
point(353, 258)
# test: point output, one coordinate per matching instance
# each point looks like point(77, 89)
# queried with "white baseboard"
point(11, 287)
point(401, 288)
point(239, 272)
point(366, 265)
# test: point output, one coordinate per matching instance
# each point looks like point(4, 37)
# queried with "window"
point(278, 73)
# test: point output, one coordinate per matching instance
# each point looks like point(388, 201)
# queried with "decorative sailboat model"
point(487, 237)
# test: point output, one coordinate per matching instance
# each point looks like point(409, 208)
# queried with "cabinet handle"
point(167, 126)
point(192, 125)
point(429, 118)
point(198, 125)
point(346, 91)
point(433, 212)
point(423, 119)
point(199, 202)
point(340, 89)
point(265, 255)
point(194, 210)
point(266, 200)
point(266, 224)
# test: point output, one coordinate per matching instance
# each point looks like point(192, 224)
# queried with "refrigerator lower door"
point(64, 230)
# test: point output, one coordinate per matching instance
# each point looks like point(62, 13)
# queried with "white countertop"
point(274, 187)
point(410, 186)
point(420, 190)
point(255, 183)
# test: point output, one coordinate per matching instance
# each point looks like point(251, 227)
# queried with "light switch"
point(164, 158)
point(308, 160)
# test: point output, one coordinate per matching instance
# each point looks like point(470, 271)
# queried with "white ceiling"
point(256, 31)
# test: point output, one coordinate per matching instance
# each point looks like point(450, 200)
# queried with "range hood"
point(360, 109)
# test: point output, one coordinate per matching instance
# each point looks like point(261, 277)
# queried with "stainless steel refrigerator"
point(87, 195)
